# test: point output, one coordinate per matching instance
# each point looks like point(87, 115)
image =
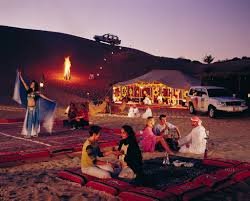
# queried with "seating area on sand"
point(161, 182)
point(167, 182)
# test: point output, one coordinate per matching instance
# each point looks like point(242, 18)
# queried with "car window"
point(219, 92)
point(198, 92)
point(191, 92)
point(203, 91)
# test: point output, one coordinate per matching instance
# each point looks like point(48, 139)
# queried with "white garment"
point(159, 99)
point(147, 113)
point(159, 128)
point(133, 112)
point(127, 173)
point(34, 132)
point(147, 101)
point(195, 139)
point(99, 171)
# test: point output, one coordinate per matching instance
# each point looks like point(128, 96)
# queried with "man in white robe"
point(195, 141)
point(147, 113)
point(147, 101)
point(133, 111)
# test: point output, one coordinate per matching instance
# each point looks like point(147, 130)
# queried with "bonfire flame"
point(67, 65)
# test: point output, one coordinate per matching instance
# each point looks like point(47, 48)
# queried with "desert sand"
point(229, 139)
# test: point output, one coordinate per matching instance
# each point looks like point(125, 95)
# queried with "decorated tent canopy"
point(169, 85)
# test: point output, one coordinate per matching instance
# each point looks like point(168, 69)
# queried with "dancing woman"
point(39, 107)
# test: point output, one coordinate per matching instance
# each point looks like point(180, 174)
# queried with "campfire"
point(67, 65)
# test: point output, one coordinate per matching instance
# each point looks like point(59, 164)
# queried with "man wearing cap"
point(133, 111)
point(195, 141)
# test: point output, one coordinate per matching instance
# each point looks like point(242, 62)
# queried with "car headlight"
point(243, 103)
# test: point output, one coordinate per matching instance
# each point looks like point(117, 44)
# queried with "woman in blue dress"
point(31, 126)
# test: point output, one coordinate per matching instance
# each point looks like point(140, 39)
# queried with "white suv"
point(212, 99)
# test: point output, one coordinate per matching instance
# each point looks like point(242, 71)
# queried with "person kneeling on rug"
point(90, 153)
point(195, 141)
point(129, 154)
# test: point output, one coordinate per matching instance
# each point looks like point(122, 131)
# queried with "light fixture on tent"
point(41, 84)
point(42, 80)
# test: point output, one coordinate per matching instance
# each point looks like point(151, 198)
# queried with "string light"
point(158, 89)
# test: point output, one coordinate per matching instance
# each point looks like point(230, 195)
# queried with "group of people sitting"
point(77, 117)
point(134, 112)
point(129, 152)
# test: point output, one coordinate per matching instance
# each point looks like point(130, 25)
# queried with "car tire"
point(191, 109)
point(212, 112)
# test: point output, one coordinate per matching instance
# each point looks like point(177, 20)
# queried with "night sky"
point(170, 28)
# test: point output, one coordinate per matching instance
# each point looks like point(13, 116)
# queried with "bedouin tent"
point(161, 86)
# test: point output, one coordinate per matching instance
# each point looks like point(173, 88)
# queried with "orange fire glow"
point(67, 65)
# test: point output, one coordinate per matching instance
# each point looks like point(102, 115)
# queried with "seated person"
point(195, 141)
point(147, 113)
point(90, 153)
point(147, 100)
point(133, 111)
point(149, 139)
point(160, 99)
point(129, 154)
point(82, 117)
point(169, 131)
point(72, 114)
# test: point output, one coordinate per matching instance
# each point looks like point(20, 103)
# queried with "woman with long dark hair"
point(129, 154)
point(33, 116)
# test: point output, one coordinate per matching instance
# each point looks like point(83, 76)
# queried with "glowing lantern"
point(67, 65)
